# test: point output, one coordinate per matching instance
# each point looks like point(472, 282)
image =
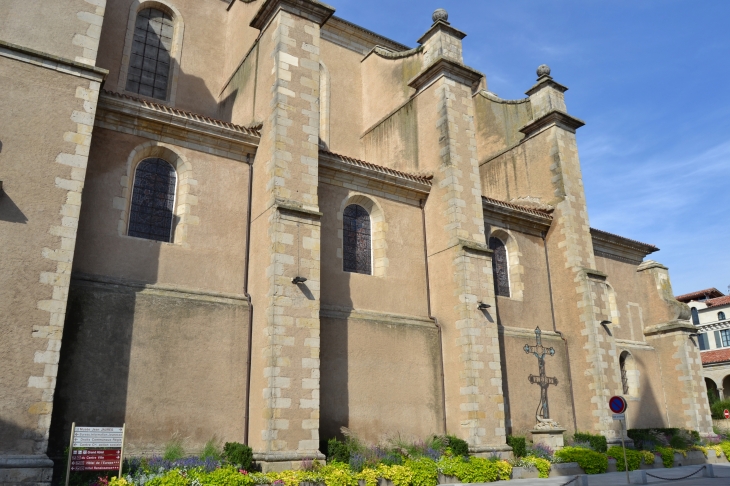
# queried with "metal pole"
point(70, 452)
point(623, 446)
point(121, 452)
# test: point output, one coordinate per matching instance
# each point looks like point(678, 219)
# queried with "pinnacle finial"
point(543, 70)
point(440, 14)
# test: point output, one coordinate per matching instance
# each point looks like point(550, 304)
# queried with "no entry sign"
point(617, 404)
point(726, 412)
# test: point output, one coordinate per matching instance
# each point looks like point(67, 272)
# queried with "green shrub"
point(239, 455)
point(542, 465)
point(518, 445)
point(174, 449)
point(718, 407)
point(458, 446)
point(475, 469)
point(425, 472)
point(633, 458)
point(597, 442)
point(667, 454)
point(591, 462)
point(725, 446)
point(338, 451)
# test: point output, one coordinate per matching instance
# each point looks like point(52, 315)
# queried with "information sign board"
point(95, 449)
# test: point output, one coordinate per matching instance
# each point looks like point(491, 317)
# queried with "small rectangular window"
point(718, 341)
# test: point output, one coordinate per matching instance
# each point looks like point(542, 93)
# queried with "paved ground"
point(722, 473)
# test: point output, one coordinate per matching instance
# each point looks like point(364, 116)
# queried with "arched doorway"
point(726, 386)
point(713, 394)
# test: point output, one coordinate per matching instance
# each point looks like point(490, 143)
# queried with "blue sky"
point(651, 79)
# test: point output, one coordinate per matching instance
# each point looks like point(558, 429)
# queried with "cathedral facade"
point(255, 220)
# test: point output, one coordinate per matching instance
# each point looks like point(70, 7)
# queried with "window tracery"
point(153, 200)
point(149, 62)
point(500, 268)
point(356, 234)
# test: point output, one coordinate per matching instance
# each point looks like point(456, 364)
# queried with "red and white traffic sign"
point(726, 413)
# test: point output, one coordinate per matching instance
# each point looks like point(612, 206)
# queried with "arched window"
point(500, 269)
point(356, 240)
point(153, 200)
point(721, 316)
point(695, 316)
point(624, 375)
point(149, 61)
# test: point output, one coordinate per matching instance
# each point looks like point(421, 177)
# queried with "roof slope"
point(710, 293)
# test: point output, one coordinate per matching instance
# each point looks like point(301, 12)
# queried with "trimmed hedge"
point(598, 442)
point(518, 445)
point(591, 462)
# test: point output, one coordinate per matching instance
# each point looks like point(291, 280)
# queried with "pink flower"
point(243, 471)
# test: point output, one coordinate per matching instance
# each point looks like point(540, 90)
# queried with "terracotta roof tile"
point(385, 170)
point(700, 294)
point(535, 212)
point(254, 130)
point(715, 356)
point(718, 301)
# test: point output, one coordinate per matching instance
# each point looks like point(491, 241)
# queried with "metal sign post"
point(618, 406)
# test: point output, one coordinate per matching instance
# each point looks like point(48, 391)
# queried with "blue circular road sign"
point(617, 404)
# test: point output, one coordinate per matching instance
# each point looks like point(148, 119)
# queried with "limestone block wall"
point(498, 122)
point(50, 90)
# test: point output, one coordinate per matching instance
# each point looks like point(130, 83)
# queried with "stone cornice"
point(474, 246)
point(313, 10)
point(345, 313)
point(546, 82)
point(650, 264)
point(671, 326)
point(445, 67)
point(383, 175)
point(553, 118)
point(493, 97)
point(440, 25)
point(49, 61)
point(619, 248)
point(510, 216)
point(157, 122)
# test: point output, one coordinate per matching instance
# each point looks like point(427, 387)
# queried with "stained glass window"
point(356, 236)
point(500, 269)
point(153, 200)
point(149, 63)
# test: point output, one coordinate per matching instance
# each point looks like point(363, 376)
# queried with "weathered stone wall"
point(381, 375)
point(167, 361)
point(498, 122)
point(211, 254)
point(50, 89)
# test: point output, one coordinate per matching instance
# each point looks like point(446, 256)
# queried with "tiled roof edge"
point(698, 294)
point(378, 168)
point(533, 212)
point(254, 131)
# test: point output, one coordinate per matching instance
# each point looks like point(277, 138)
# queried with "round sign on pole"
point(617, 404)
point(726, 412)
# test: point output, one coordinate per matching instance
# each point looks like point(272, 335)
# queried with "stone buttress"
point(284, 404)
point(460, 270)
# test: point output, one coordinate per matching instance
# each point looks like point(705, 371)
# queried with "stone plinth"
point(553, 438)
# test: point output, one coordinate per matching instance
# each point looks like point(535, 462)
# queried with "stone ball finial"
point(543, 70)
point(440, 14)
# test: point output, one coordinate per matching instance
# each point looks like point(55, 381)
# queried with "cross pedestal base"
point(553, 438)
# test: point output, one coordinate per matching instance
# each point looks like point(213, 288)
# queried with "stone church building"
point(254, 220)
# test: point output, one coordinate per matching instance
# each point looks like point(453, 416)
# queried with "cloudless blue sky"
point(651, 79)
